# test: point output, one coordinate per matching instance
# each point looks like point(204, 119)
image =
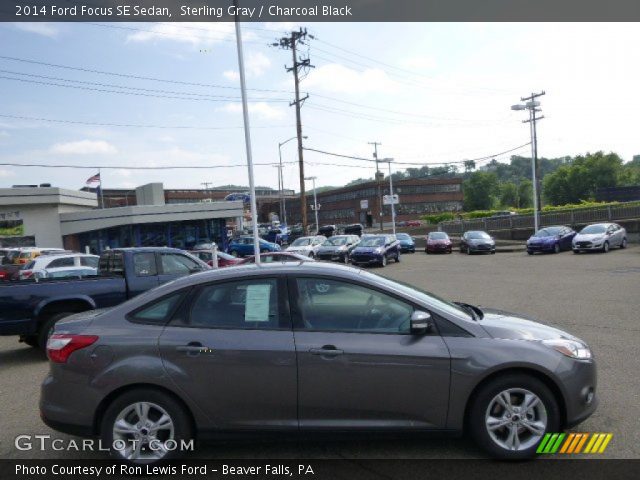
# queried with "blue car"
point(407, 245)
point(551, 239)
point(242, 246)
point(376, 250)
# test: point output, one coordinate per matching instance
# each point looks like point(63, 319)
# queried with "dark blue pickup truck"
point(31, 308)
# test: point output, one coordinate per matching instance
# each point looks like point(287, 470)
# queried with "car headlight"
point(379, 250)
point(570, 348)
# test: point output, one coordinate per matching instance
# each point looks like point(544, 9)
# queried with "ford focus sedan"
point(600, 237)
point(255, 349)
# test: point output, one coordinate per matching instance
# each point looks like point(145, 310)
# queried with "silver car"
point(599, 237)
point(261, 349)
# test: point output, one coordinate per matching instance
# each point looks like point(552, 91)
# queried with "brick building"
point(361, 203)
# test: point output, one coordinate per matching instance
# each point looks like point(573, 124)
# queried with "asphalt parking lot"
point(594, 296)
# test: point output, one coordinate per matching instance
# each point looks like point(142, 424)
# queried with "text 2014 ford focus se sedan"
point(256, 349)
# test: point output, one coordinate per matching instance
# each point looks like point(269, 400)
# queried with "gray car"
point(257, 349)
point(599, 237)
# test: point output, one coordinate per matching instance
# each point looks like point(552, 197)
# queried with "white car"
point(66, 272)
point(52, 263)
point(308, 246)
point(599, 236)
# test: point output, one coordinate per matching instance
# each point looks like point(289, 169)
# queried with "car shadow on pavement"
point(22, 355)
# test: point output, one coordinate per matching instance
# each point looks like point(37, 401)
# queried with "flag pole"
point(101, 195)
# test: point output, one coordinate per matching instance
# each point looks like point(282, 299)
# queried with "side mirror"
point(421, 322)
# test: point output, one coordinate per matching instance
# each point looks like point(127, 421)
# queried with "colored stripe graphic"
point(573, 443)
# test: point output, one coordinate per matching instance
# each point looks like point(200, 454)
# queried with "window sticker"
point(256, 307)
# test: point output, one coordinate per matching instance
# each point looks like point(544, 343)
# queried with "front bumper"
point(541, 247)
point(482, 247)
point(438, 247)
point(587, 246)
point(579, 381)
point(332, 256)
point(408, 248)
point(366, 259)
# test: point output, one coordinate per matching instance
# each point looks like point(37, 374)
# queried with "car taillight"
point(61, 346)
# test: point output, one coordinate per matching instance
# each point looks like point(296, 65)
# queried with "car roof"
point(145, 249)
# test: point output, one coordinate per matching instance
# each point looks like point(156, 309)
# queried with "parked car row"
point(595, 237)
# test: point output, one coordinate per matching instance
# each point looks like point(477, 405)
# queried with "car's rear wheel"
point(145, 426)
point(510, 416)
point(624, 243)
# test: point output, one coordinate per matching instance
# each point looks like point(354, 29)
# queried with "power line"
point(128, 167)
point(204, 96)
point(132, 125)
point(137, 77)
point(122, 92)
point(486, 157)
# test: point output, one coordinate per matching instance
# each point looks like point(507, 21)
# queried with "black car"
point(354, 229)
point(477, 241)
point(376, 250)
point(328, 230)
point(338, 248)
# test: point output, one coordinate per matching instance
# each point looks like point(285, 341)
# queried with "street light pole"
point(283, 204)
point(531, 105)
point(247, 139)
point(315, 202)
point(393, 206)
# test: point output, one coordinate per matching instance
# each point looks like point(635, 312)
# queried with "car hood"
point(366, 249)
point(481, 240)
point(330, 249)
point(585, 237)
point(506, 325)
point(439, 241)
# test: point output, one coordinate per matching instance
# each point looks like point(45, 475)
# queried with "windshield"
point(335, 241)
point(301, 242)
point(547, 232)
point(594, 229)
point(422, 296)
point(25, 254)
point(403, 236)
point(372, 242)
point(478, 235)
point(438, 236)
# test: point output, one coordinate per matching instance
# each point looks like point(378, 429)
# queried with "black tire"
point(556, 248)
point(398, 257)
point(46, 327)
point(31, 340)
point(576, 251)
point(427, 252)
point(183, 429)
point(483, 399)
point(383, 262)
point(529, 252)
point(605, 247)
point(311, 255)
point(623, 244)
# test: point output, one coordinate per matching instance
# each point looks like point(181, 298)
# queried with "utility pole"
point(299, 64)
point(531, 104)
point(378, 181)
point(316, 207)
point(279, 167)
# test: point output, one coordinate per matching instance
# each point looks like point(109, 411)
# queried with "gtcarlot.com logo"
point(573, 443)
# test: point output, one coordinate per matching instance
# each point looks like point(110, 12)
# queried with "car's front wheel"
point(556, 248)
point(624, 243)
point(605, 247)
point(383, 262)
point(510, 416)
point(146, 426)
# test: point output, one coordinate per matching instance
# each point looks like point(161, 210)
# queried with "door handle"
point(326, 351)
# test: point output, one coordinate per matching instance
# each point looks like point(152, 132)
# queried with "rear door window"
point(173, 264)
point(159, 311)
point(144, 264)
point(61, 262)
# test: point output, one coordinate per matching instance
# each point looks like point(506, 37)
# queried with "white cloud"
point(419, 62)
point(83, 147)
point(231, 75)
point(334, 77)
point(41, 28)
point(196, 33)
point(256, 64)
point(260, 109)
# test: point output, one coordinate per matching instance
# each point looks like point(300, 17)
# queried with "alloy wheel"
point(516, 419)
point(142, 430)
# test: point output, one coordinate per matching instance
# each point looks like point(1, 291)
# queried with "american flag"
point(94, 179)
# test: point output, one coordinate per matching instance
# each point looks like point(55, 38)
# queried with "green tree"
point(508, 195)
point(480, 191)
point(525, 194)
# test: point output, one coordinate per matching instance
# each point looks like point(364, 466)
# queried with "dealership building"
point(60, 218)
point(363, 203)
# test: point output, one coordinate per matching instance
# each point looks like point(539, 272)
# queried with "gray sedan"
point(599, 237)
point(257, 349)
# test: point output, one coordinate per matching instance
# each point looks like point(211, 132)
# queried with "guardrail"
point(579, 216)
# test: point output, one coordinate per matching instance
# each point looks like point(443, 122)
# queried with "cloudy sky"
point(430, 93)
